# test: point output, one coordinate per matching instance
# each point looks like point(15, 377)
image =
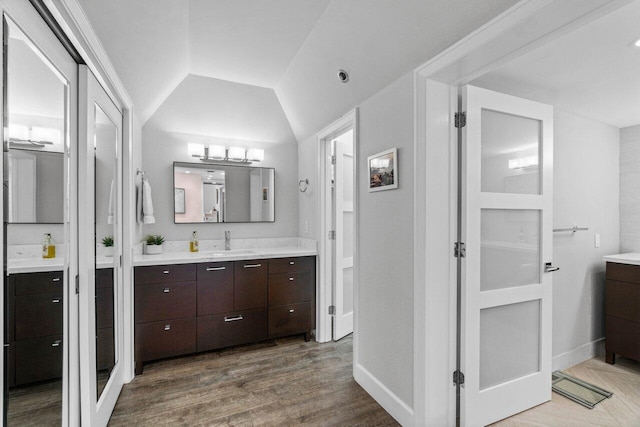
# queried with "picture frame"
point(383, 170)
point(178, 197)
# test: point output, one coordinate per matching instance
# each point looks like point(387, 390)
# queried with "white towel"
point(139, 216)
point(147, 204)
point(111, 204)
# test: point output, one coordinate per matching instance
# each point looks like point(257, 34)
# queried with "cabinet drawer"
point(623, 337)
point(165, 274)
point(104, 278)
point(623, 272)
point(165, 301)
point(288, 265)
point(38, 315)
point(224, 330)
point(104, 308)
point(250, 288)
point(157, 340)
point(289, 319)
point(215, 288)
point(105, 356)
point(38, 283)
point(290, 288)
point(623, 300)
point(38, 359)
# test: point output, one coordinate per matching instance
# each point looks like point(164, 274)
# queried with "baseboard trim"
point(578, 355)
point(385, 397)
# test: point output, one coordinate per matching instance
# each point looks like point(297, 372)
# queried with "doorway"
point(338, 254)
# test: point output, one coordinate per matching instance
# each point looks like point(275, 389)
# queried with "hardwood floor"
point(622, 409)
point(35, 405)
point(276, 383)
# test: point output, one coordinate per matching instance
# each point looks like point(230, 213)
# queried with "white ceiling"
point(593, 71)
point(292, 46)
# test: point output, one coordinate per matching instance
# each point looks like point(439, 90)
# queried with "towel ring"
point(303, 184)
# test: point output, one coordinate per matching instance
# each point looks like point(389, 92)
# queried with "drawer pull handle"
point(167, 327)
point(252, 265)
point(291, 311)
point(166, 290)
point(165, 272)
point(55, 300)
point(233, 318)
point(292, 262)
point(291, 279)
point(56, 343)
point(55, 279)
point(216, 268)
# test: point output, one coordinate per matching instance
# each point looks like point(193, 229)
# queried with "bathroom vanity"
point(622, 307)
point(188, 303)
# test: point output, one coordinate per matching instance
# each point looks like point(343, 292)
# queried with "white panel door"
point(344, 242)
point(101, 294)
point(507, 194)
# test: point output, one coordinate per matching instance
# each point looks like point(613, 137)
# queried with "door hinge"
point(77, 284)
point(332, 310)
point(459, 250)
point(332, 235)
point(460, 119)
point(333, 159)
point(458, 378)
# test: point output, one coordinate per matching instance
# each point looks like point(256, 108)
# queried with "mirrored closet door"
point(101, 314)
point(39, 250)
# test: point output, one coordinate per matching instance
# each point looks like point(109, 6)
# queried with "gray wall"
point(585, 188)
point(161, 149)
point(630, 189)
point(385, 218)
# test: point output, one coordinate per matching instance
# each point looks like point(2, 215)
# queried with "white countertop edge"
point(40, 265)
point(632, 258)
point(168, 258)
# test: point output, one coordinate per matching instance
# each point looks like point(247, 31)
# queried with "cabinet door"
point(250, 290)
point(290, 288)
point(165, 301)
point(38, 359)
point(38, 315)
point(215, 288)
point(168, 338)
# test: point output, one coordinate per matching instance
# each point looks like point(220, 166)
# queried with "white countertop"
point(221, 255)
point(628, 258)
point(36, 265)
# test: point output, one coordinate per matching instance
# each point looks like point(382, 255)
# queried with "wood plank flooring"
point(276, 383)
point(622, 409)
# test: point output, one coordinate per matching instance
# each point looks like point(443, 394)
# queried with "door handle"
point(549, 268)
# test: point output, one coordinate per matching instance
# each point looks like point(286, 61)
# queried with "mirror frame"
point(222, 164)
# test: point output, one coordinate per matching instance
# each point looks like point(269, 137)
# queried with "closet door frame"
point(24, 15)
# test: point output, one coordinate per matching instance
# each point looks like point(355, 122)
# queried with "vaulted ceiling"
point(293, 48)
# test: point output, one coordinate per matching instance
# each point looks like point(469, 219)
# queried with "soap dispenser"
point(193, 245)
point(48, 248)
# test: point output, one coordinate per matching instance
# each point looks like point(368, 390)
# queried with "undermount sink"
point(232, 252)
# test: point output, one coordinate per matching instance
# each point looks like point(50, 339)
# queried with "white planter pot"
point(108, 251)
point(153, 249)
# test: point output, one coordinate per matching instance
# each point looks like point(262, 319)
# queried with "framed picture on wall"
point(178, 197)
point(383, 170)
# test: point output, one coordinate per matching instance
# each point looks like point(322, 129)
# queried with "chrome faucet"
point(227, 240)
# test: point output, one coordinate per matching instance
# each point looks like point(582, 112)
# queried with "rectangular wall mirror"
point(223, 193)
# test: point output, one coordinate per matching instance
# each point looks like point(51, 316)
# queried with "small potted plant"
point(107, 242)
point(153, 244)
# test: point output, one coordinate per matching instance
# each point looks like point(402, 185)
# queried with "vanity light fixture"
point(33, 137)
point(222, 153)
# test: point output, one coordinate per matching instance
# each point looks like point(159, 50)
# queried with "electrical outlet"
point(596, 241)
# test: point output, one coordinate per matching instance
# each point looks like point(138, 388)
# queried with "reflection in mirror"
point(223, 193)
point(105, 150)
point(36, 105)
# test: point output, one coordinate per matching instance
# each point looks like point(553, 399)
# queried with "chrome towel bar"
point(572, 229)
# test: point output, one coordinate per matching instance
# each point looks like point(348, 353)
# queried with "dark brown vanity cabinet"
point(291, 296)
point(34, 327)
point(622, 310)
point(207, 306)
point(165, 312)
point(233, 298)
point(104, 319)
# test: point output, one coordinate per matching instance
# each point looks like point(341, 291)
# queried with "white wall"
point(630, 189)
point(586, 172)
point(308, 201)
point(161, 149)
